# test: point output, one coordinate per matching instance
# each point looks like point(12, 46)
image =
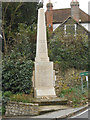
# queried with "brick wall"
point(49, 16)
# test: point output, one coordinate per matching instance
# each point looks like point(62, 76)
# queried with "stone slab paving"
point(61, 113)
point(52, 108)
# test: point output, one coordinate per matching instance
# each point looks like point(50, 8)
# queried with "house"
point(70, 20)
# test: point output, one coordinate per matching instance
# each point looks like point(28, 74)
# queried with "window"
point(70, 29)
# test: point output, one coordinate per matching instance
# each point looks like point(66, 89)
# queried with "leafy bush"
point(3, 110)
point(25, 42)
point(0, 71)
point(7, 93)
point(18, 65)
point(17, 73)
point(75, 95)
point(70, 52)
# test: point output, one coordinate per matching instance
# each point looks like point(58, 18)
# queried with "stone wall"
point(67, 79)
point(19, 108)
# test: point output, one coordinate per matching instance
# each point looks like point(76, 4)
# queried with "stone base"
point(44, 79)
point(44, 92)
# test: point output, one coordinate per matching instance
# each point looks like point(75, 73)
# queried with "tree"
point(19, 35)
point(12, 15)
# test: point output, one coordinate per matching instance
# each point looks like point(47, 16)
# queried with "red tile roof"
point(84, 16)
point(60, 15)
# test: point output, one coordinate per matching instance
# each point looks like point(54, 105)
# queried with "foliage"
point(75, 95)
point(25, 98)
point(3, 110)
point(70, 51)
point(7, 93)
point(17, 73)
point(26, 39)
point(0, 99)
point(18, 66)
point(0, 71)
point(12, 14)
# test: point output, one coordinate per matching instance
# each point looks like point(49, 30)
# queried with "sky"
point(58, 4)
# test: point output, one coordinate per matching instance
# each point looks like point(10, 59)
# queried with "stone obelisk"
point(44, 75)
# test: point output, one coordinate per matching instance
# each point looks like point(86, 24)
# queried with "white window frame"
point(69, 25)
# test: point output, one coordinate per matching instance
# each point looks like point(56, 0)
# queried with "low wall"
point(18, 108)
point(67, 79)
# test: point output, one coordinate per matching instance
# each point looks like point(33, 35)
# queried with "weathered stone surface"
point(44, 75)
point(44, 84)
point(41, 50)
point(67, 79)
point(39, 106)
point(19, 109)
point(50, 101)
point(52, 108)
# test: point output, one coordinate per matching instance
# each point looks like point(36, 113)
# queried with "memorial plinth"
point(44, 75)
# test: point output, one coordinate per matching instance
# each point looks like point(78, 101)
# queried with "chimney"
point(49, 16)
point(75, 10)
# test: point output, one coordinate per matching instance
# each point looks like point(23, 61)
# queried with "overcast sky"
point(58, 4)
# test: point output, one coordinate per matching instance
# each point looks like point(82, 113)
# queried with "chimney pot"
point(49, 16)
point(75, 10)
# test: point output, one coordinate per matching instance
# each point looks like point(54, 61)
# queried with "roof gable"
point(74, 22)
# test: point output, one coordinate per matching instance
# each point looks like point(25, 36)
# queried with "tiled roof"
point(84, 16)
point(60, 15)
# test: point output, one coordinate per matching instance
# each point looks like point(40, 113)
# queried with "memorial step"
point(50, 101)
point(51, 108)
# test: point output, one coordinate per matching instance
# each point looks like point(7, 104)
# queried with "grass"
point(19, 97)
point(75, 95)
point(25, 98)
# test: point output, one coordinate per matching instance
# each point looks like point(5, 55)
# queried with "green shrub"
point(16, 75)
point(70, 53)
point(17, 68)
point(67, 90)
point(75, 95)
point(0, 94)
point(7, 93)
point(3, 110)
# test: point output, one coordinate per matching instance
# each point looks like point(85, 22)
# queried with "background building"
point(57, 17)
